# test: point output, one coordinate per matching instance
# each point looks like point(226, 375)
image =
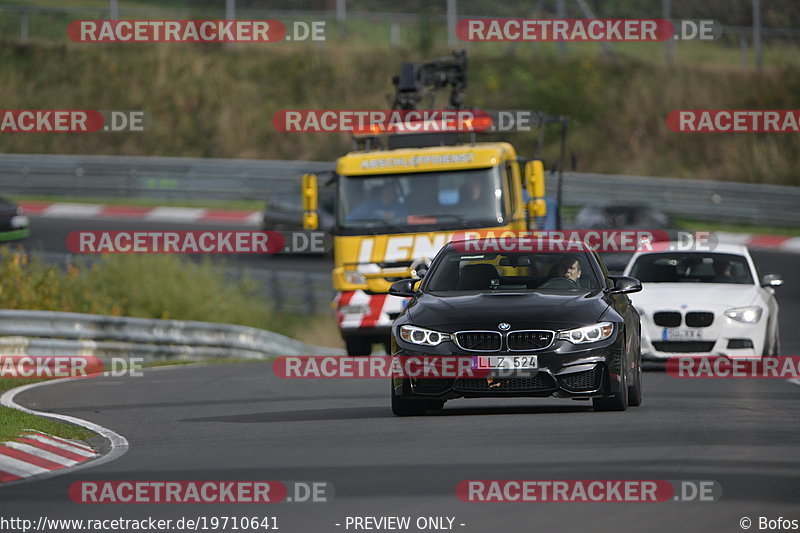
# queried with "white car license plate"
point(504, 361)
point(682, 334)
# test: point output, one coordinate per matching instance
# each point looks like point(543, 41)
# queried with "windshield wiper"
point(374, 222)
point(461, 219)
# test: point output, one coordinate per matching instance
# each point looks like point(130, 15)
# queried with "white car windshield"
point(692, 268)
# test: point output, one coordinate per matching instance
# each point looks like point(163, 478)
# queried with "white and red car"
point(705, 303)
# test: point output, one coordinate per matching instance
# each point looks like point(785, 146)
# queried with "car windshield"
point(692, 267)
point(456, 199)
point(513, 271)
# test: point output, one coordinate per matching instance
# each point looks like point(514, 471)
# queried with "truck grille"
point(540, 382)
point(479, 341)
point(684, 346)
point(699, 319)
point(520, 341)
point(667, 319)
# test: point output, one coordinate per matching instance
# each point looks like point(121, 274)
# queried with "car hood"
point(521, 310)
point(694, 295)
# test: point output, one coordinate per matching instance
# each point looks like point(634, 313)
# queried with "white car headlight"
point(586, 334)
point(425, 337)
point(749, 315)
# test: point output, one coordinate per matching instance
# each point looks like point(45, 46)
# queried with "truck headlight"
point(425, 337)
point(749, 315)
point(586, 334)
point(355, 277)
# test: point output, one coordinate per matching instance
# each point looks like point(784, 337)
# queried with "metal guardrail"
point(178, 178)
point(718, 201)
point(181, 178)
point(39, 333)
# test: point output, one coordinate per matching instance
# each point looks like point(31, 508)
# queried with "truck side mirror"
point(310, 196)
point(534, 184)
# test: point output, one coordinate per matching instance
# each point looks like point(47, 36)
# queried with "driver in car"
point(566, 274)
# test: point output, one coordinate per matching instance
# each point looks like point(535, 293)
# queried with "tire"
point(635, 390)
point(358, 345)
point(618, 402)
point(404, 407)
point(776, 344)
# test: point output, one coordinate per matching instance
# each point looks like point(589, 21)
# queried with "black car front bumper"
point(564, 371)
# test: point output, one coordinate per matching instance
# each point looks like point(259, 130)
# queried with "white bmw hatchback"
point(705, 303)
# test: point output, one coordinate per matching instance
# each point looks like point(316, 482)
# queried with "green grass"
point(212, 101)
point(12, 421)
point(149, 286)
point(699, 225)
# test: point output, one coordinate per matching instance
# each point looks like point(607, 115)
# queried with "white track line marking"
point(73, 210)
point(29, 432)
point(175, 214)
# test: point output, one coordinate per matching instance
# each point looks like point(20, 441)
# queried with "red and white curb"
point(40, 455)
point(778, 243)
point(151, 214)
point(34, 453)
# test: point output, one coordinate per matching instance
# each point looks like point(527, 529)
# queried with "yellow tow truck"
point(401, 198)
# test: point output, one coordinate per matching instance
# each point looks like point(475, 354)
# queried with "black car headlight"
point(587, 334)
point(425, 337)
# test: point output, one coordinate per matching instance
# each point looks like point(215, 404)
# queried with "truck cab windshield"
point(420, 201)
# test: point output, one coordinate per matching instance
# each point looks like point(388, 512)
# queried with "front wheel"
point(405, 407)
point(618, 402)
point(635, 390)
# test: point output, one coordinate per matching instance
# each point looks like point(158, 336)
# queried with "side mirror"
point(310, 201)
point(625, 284)
point(771, 280)
point(404, 287)
point(534, 184)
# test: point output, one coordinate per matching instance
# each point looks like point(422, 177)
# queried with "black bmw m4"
point(537, 321)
